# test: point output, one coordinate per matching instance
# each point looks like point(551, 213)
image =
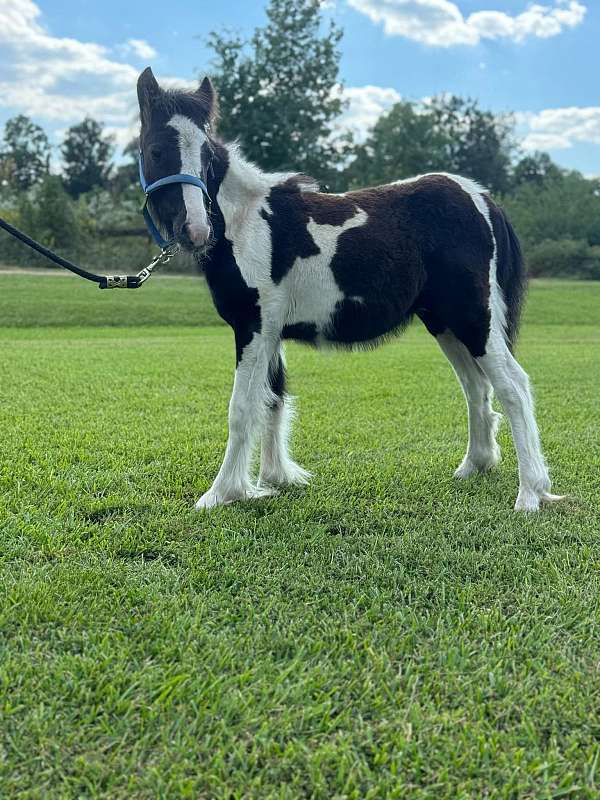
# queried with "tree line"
point(280, 96)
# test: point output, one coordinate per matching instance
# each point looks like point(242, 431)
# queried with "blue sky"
point(61, 60)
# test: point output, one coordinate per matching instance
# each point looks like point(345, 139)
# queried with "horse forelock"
point(196, 106)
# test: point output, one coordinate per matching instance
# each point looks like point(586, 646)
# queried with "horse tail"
point(510, 274)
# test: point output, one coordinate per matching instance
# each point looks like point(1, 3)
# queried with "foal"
point(284, 261)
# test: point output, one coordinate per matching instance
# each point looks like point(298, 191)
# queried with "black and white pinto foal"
point(284, 261)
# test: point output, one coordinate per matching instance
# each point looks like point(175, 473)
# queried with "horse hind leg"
point(483, 452)
point(512, 387)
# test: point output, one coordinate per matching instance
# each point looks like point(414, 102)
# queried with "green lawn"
point(386, 632)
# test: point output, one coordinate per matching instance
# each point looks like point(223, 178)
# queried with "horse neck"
point(243, 184)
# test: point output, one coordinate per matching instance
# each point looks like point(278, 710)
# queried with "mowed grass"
point(386, 632)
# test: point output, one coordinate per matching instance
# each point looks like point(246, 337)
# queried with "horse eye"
point(156, 153)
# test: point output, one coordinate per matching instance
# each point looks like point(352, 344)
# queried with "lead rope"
point(104, 281)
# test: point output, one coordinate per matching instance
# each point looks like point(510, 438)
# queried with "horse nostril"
point(196, 234)
point(185, 233)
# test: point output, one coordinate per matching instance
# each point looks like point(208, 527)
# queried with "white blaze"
point(191, 139)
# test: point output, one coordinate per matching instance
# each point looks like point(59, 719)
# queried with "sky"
point(61, 60)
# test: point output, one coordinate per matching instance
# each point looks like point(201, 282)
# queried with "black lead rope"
point(103, 281)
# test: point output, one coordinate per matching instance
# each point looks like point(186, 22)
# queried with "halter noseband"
point(148, 188)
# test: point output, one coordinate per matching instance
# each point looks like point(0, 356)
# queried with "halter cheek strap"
point(149, 188)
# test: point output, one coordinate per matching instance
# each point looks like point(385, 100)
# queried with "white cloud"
point(61, 80)
point(560, 128)
point(440, 23)
point(365, 105)
point(139, 48)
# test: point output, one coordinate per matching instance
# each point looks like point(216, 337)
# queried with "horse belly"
point(320, 312)
point(357, 320)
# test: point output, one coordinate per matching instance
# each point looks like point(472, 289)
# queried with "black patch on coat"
point(277, 379)
point(288, 221)
point(291, 210)
point(378, 266)
point(457, 255)
point(329, 209)
point(235, 301)
point(301, 332)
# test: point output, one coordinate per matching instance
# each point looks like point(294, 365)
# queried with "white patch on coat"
point(191, 138)
point(310, 285)
point(241, 198)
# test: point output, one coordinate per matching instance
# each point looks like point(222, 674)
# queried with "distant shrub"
point(564, 258)
point(46, 213)
point(82, 231)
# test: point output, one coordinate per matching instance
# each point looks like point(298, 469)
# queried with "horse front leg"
point(248, 406)
point(276, 465)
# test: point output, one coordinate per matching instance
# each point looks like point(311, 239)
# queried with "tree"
point(126, 175)
point(403, 142)
point(537, 169)
point(480, 144)
point(25, 154)
point(86, 154)
point(279, 93)
point(567, 207)
point(446, 134)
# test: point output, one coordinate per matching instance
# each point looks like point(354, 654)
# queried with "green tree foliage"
point(126, 176)
point(479, 143)
point(50, 213)
point(279, 93)
point(537, 169)
point(46, 213)
point(447, 134)
point(25, 153)
point(568, 206)
point(404, 141)
point(557, 215)
point(86, 154)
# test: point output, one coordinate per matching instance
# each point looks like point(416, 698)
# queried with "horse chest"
point(236, 302)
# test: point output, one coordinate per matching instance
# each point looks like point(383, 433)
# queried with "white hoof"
point(529, 500)
point(256, 492)
point(214, 498)
point(210, 499)
point(466, 469)
point(483, 463)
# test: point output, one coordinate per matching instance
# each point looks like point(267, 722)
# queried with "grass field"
point(384, 633)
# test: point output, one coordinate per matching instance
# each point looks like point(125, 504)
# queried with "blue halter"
point(148, 188)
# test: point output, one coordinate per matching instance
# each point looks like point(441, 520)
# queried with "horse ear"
point(148, 91)
point(208, 93)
